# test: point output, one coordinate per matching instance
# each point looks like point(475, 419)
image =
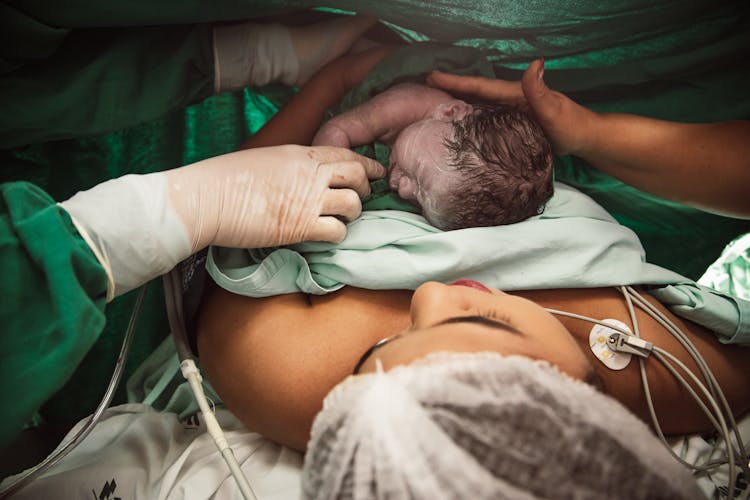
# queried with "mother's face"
point(469, 317)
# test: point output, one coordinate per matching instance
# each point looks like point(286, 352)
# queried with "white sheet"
point(138, 453)
point(697, 449)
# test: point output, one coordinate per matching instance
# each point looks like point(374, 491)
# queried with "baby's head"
point(469, 166)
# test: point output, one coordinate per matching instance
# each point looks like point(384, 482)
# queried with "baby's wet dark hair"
point(506, 162)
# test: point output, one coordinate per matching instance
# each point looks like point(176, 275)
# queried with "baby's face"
point(419, 164)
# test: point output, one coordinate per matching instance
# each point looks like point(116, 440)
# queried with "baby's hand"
point(330, 134)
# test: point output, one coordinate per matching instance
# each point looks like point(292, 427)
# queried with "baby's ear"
point(452, 110)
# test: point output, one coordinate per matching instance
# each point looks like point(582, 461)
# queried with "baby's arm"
point(298, 120)
point(382, 117)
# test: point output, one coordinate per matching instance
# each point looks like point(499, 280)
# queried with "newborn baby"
point(463, 165)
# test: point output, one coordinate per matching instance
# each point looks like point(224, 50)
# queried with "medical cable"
point(716, 393)
point(679, 335)
point(109, 393)
point(648, 392)
point(697, 357)
point(644, 378)
point(624, 341)
point(640, 354)
point(715, 390)
point(649, 400)
point(175, 315)
point(647, 388)
point(708, 374)
point(705, 466)
point(719, 422)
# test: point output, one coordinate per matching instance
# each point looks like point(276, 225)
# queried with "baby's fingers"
point(331, 154)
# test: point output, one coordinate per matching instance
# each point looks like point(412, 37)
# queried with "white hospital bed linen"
point(697, 449)
point(136, 452)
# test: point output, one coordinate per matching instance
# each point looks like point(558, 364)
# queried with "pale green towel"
point(575, 243)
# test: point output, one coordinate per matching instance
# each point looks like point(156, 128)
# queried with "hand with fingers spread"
point(704, 165)
point(566, 123)
point(140, 226)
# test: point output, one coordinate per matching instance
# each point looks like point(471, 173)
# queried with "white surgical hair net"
point(480, 425)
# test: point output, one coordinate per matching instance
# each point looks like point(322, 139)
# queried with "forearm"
point(299, 119)
point(702, 165)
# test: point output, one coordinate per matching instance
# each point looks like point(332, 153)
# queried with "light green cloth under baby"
point(575, 243)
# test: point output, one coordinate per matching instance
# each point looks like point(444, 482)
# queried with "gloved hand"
point(568, 125)
point(141, 226)
point(252, 54)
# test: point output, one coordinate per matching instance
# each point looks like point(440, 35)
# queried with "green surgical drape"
point(94, 90)
point(52, 311)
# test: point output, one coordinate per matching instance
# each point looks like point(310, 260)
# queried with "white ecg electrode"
point(598, 341)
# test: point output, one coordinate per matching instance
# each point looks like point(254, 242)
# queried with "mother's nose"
point(434, 301)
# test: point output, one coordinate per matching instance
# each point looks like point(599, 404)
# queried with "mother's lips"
point(471, 284)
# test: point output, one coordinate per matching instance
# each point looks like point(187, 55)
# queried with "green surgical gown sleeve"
point(58, 83)
point(52, 307)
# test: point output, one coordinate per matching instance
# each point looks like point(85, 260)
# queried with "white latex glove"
point(252, 54)
point(141, 226)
